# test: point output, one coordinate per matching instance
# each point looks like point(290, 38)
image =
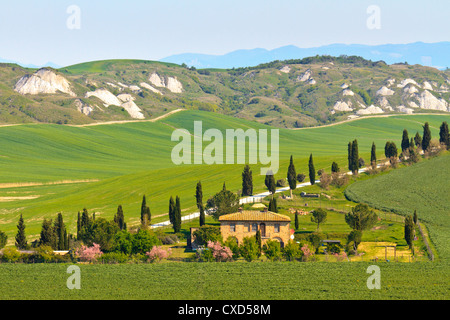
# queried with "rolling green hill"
point(119, 163)
point(287, 94)
point(423, 187)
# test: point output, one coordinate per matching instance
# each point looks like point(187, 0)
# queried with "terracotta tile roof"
point(251, 215)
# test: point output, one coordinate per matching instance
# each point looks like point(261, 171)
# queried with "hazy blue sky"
point(36, 31)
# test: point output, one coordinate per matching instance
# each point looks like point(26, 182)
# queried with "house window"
point(247, 227)
point(254, 227)
point(277, 228)
point(233, 227)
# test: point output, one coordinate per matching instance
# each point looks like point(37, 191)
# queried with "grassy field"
point(227, 281)
point(423, 187)
point(122, 162)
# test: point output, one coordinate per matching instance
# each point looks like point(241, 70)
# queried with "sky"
point(69, 32)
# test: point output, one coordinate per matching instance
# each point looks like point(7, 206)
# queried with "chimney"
point(240, 209)
point(265, 209)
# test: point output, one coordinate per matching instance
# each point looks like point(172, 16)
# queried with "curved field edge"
point(227, 281)
point(423, 187)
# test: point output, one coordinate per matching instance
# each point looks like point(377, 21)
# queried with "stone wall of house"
point(245, 229)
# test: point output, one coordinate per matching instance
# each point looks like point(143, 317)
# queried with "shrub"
point(339, 180)
point(333, 248)
point(301, 177)
point(45, 253)
point(11, 255)
point(232, 243)
point(272, 250)
point(204, 255)
point(114, 257)
point(315, 239)
point(220, 253)
point(306, 252)
point(291, 251)
point(281, 183)
point(3, 239)
point(158, 253)
point(249, 249)
point(325, 180)
point(143, 241)
point(89, 254)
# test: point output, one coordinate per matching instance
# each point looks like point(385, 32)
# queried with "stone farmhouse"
point(246, 223)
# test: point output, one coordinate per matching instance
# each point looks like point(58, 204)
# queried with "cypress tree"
point(177, 216)
point(171, 210)
point(334, 167)
point(47, 236)
point(21, 238)
point(349, 156)
point(292, 176)
point(312, 171)
point(418, 140)
point(296, 220)
point(59, 230)
point(354, 157)
point(270, 182)
point(373, 155)
point(199, 195)
point(409, 231)
point(426, 138)
point(444, 136)
point(143, 207)
point(415, 218)
point(119, 218)
point(259, 242)
point(202, 216)
point(247, 181)
point(78, 224)
point(405, 140)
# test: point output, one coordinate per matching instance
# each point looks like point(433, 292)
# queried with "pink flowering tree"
point(307, 252)
point(220, 253)
point(89, 254)
point(157, 253)
point(340, 256)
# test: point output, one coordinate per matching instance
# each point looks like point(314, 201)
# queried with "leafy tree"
point(390, 150)
point(361, 217)
point(223, 202)
point(249, 249)
point(426, 138)
point(444, 136)
point(319, 216)
point(405, 140)
point(355, 238)
point(207, 233)
point(418, 140)
point(247, 181)
point(21, 239)
point(199, 195)
point(143, 241)
point(373, 155)
point(312, 171)
point(103, 233)
point(232, 243)
point(292, 176)
point(119, 218)
point(335, 167)
point(123, 242)
point(272, 250)
point(270, 182)
point(315, 239)
point(3, 239)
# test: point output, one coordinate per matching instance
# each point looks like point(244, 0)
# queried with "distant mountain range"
point(32, 66)
point(428, 54)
